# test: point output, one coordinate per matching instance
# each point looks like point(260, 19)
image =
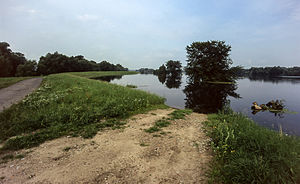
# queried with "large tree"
point(173, 67)
point(208, 61)
point(9, 60)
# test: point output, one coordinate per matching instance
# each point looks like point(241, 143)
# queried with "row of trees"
point(15, 64)
point(271, 71)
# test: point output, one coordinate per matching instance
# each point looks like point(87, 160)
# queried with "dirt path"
point(129, 155)
point(17, 92)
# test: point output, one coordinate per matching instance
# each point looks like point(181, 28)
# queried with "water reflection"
point(172, 80)
point(108, 78)
point(162, 78)
point(276, 80)
point(208, 98)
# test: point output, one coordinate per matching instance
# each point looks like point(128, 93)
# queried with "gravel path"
point(17, 92)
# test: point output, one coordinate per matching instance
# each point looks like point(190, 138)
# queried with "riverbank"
point(245, 152)
point(67, 104)
point(178, 153)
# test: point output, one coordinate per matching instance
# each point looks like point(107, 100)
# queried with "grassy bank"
point(7, 81)
point(66, 104)
point(102, 74)
point(248, 153)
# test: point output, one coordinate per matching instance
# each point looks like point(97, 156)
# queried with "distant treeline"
point(146, 71)
point(267, 71)
point(15, 64)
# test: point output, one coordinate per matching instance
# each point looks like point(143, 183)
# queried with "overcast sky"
point(147, 33)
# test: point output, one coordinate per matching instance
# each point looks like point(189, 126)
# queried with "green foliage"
point(177, 114)
point(70, 105)
point(248, 153)
point(58, 63)
point(158, 125)
point(173, 67)
point(27, 69)
point(180, 113)
point(7, 81)
point(9, 61)
point(275, 71)
point(208, 61)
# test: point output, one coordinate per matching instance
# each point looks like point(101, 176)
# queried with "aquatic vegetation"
point(276, 107)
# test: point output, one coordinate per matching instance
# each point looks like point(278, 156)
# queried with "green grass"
point(180, 114)
point(66, 104)
point(7, 81)
point(10, 156)
point(159, 124)
point(102, 73)
point(143, 144)
point(247, 153)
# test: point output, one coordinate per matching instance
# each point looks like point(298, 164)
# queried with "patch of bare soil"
point(179, 155)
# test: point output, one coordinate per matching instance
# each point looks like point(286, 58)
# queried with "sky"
point(147, 33)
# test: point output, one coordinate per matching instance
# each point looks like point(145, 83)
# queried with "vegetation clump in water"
point(276, 107)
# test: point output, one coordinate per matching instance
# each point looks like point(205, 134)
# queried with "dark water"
point(211, 97)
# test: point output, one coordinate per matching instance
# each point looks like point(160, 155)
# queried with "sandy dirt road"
point(130, 155)
point(16, 92)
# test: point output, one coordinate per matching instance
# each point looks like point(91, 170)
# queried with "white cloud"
point(31, 11)
point(87, 17)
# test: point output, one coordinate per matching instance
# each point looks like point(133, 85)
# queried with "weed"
point(8, 157)
point(158, 125)
point(248, 153)
point(156, 135)
point(162, 123)
point(66, 149)
point(152, 129)
point(143, 144)
point(180, 114)
point(19, 156)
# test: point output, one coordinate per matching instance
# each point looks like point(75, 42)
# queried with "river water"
point(210, 98)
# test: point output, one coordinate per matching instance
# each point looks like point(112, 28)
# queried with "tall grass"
point(7, 81)
point(247, 153)
point(70, 105)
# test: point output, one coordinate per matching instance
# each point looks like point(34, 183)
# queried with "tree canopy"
point(9, 60)
point(15, 64)
point(209, 61)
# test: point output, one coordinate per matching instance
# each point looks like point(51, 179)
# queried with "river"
point(210, 98)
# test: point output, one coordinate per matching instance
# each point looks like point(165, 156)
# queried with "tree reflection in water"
point(206, 97)
point(108, 78)
point(172, 80)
